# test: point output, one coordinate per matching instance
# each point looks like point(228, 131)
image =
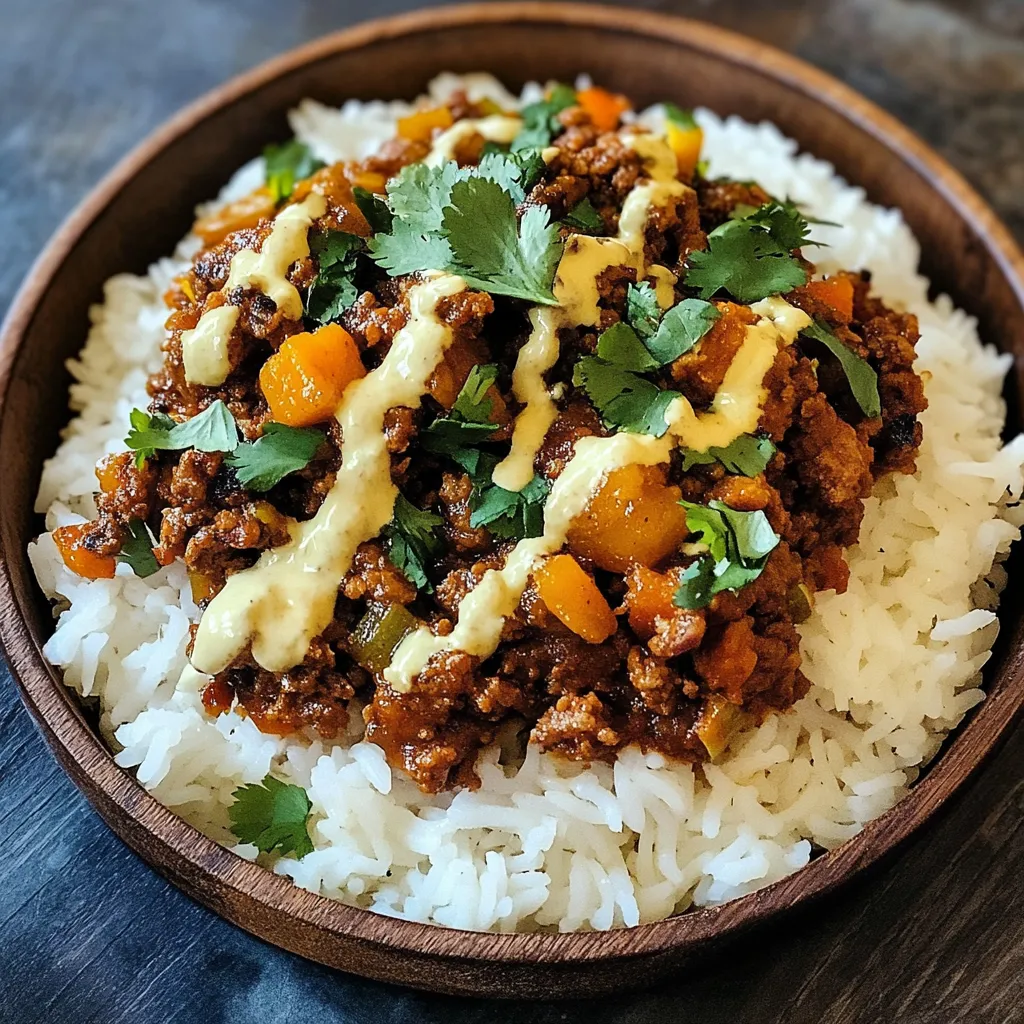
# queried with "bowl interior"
point(142, 210)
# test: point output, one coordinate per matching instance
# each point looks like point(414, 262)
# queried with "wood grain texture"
point(966, 918)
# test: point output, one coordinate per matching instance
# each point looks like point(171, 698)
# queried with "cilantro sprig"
point(213, 430)
point(280, 450)
point(739, 545)
point(137, 549)
point(272, 815)
point(333, 289)
point(751, 257)
point(862, 378)
point(540, 119)
point(510, 515)
point(469, 421)
point(748, 455)
point(285, 165)
point(411, 541)
point(583, 217)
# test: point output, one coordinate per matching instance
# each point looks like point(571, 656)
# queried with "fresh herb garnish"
point(373, 208)
point(333, 290)
point(680, 329)
point(738, 543)
point(751, 258)
point(285, 165)
point(213, 430)
point(469, 421)
point(862, 378)
point(137, 549)
point(643, 312)
point(540, 119)
point(272, 815)
point(583, 217)
point(516, 173)
point(411, 542)
point(748, 455)
point(280, 450)
point(679, 117)
point(510, 515)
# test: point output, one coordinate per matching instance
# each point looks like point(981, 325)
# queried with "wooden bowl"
point(140, 210)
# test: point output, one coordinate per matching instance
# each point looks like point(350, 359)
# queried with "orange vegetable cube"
point(649, 597)
point(571, 595)
point(634, 519)
point(246, 212)
point(305, 379)
point(419, 127)
point(603, 107)
point(686, 143)
point(78, 558)
point(836, 292)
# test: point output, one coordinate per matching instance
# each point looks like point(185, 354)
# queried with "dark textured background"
point(89, 935)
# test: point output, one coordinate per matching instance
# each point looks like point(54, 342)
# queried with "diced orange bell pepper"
point(603, 107)
point(634, 519)
point(246, 212)
point(686, 143)
point(571, 595)
point(78, 558)
point(836, 292)
point(107, 473)
point(304, 380)
point(419, 127)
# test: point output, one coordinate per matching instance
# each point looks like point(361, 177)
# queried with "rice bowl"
point(552, 845)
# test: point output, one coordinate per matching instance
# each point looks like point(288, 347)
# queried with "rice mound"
point(895, 662)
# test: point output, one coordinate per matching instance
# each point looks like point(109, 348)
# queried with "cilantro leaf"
point(491, 252)
point(862, 378)
point(407, 249)
point(374, 209)
point(621, 346)
point(643, 312)
point(746, 456)
point(270, 458)
point(680, 329)
point(583, 217)
point(285, 165)
point(272, 815)
point(514, 172)
point(213, 430)
point(513, 515)
point(679, 117)
point(468, 423)
point(623, 398)
point(750, 258)
point(739, 544)
point(540, 119)
point(137, 550)
point(411, 541)
point(333, 290)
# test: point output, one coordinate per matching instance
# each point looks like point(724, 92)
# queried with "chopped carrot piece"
point(304, 380)
point(419, 127)
point(603, 107)
point(571, 595)
point(246, 212)
point(686, 143)
point(78, 558)
point(372, 181)
point(836, 292)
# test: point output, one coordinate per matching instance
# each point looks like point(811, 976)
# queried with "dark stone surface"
point(90, 935)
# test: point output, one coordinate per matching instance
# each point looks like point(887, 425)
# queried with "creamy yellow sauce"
point(205, 348)
point(288, 597)
point(499, 128)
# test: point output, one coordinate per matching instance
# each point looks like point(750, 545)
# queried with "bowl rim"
point(85, 756)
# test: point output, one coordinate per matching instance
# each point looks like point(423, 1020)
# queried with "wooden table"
point(89, 934)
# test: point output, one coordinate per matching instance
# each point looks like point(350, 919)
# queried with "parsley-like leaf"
point(495, 254)
point(271, 457)
point(510, 515)
point(137, 550)
point(738, 543)
point(621, 346)
point(680, 329)
point(374, 209)
point(285, 165)
point(333, 290)
point(750, 258)
point(516, 173)
point(468, 423)
point(583, 217)
point(272, 815)
point(411, 542)
point(623, 398)
point(643, 312)
point(213, 430)
point(540, 119)
point(746, 456)
point(862, 378)
point(679, 117)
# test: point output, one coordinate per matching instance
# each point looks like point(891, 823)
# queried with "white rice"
point(895, 662)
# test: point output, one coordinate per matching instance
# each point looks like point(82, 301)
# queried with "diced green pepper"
point(718, 721)
point(379, 632)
